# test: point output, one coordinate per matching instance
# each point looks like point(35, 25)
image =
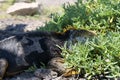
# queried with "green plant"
point(95, 58)
point(98, 14)
point(31, 69)
point(5, 5)
point(34, 67)
point(99, 57)
point(93, 14)
point(54, 24)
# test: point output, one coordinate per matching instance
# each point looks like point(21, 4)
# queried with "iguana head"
point(79, 34)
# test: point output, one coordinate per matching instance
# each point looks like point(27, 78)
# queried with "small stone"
point(23, 8)
point(1, 1)
point(45, 74)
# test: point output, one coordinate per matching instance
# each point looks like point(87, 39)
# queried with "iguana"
point(20, 51)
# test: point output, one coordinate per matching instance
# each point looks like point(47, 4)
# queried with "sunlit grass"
point(97, 57)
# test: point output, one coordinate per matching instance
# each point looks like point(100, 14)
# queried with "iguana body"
point(21, 51)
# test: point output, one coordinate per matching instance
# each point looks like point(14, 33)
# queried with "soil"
point(24, 23)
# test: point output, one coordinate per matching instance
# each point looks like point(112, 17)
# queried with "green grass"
point(95, 15)
point(100, 56)
point(5, 5)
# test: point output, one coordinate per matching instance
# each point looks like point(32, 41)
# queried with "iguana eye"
point(72, 33)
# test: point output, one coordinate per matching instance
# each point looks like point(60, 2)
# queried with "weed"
point(93, 14)
point(97, 57)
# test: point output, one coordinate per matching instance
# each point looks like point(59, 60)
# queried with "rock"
point(24, 76)
point(51, 6)
point(39, 74)
point(27, 1)
point(1, 1)
point(60, 78)
point(55, 2)
point(45, 74)
point(23, 8)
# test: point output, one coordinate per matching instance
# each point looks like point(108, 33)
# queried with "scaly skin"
point(20, 51)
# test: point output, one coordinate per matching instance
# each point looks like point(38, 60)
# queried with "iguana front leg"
point(57, 64)
point(3, 67)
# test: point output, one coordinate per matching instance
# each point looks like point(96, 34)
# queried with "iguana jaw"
point(80, 35)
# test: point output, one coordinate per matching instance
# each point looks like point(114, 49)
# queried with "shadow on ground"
point(11, 30)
